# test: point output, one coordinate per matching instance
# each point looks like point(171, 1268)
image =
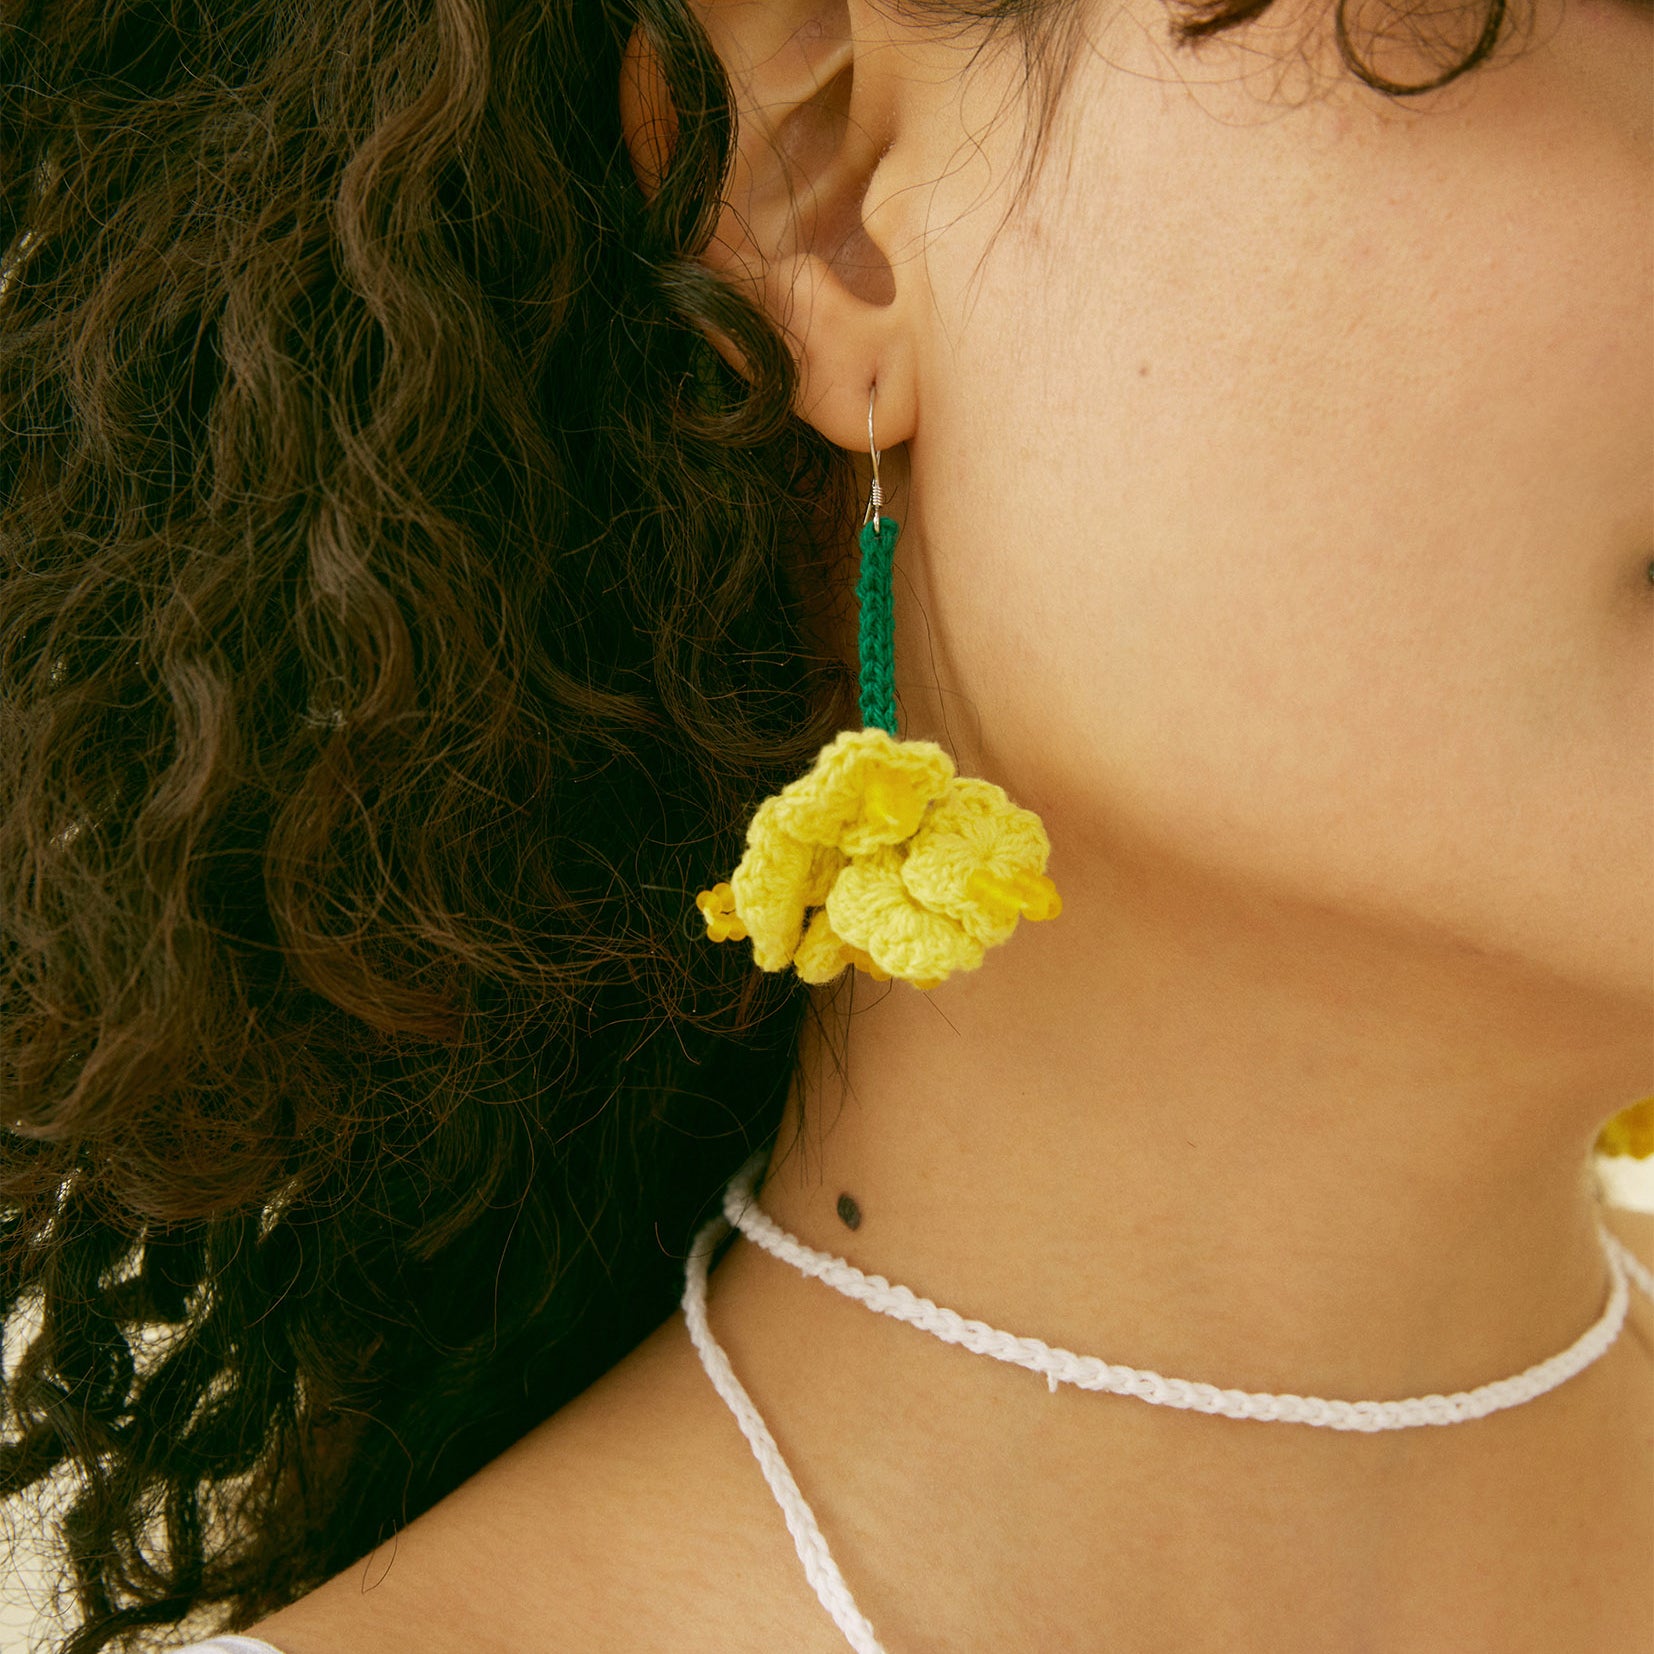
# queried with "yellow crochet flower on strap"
point(1631, 1131)
point(884, 859)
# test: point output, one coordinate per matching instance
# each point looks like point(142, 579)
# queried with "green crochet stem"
point(877, 603)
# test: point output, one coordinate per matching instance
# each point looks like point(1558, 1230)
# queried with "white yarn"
point(1634, 1266)
point(1063, 1366)
point(819, 1566)
point(230, 1645)
point(1086, 1372)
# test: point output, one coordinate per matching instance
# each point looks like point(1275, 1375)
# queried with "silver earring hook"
point(875, 495)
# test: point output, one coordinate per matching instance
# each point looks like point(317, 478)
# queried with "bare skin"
point(1277, 491)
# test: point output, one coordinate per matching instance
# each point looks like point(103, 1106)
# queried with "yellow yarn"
point(884, 859)
point(1631, 1131)
point(718, 904)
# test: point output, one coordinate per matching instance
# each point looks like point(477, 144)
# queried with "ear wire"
point(875, 494)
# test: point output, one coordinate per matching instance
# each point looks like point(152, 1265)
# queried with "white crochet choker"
point(740, 1211)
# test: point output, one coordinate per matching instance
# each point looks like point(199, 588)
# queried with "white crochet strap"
point(1089, 1373)
point(819, 1567)
point(1634, 1266)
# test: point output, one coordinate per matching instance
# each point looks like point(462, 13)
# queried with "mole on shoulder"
point(849, 1211)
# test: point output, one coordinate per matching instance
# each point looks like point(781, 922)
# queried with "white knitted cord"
point(1635, 1267)
point(1086, 1372)
point(819, 1566)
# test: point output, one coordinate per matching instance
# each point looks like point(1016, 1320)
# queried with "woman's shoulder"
point(634, 1518)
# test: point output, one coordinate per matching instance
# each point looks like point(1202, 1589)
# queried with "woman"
point(431, 526)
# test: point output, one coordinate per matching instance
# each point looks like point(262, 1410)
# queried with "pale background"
point(25, 1628)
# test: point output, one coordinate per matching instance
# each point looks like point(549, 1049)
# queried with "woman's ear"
point(812, 208)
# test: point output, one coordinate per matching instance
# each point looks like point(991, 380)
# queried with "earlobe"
point(845, 344)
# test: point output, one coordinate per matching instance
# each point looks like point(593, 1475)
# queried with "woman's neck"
point(1215, 1137)
point(1222, 1141)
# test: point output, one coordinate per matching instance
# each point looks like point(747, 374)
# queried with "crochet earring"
point(882, 857)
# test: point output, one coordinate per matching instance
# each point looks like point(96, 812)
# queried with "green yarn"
point(877, 604)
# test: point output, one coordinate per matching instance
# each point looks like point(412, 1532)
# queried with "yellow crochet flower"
point(1631, 1131)
point(884, 859)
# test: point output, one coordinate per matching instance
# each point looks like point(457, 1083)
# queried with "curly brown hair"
point(402, 609)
